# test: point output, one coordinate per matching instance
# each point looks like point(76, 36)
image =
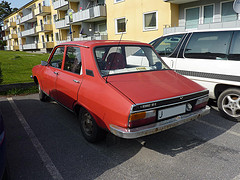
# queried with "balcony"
point(49, 45)
point(15, 48)
point(179, 1)
point(3, 28)
point(5, 38)
point(27, 18)
point(93, 14)
point(29, 32)
point(12, 24)
point(13, 36)
point(95, 37)
point(19, 34)
point(44, 28)
point(7, 48)
point(62, 24)
point(42, 11)
point(60, 5)
point(18, 21)
point(216, 25)
point(30, 46)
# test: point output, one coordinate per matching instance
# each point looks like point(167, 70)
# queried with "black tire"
point(229, 104)
point(42, 95)
point(90, 130)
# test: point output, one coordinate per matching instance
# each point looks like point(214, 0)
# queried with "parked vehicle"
point(3, 157)
point(210, 58)
point(122, 87)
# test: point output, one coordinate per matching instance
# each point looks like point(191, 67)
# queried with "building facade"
point(42, 24)
point(204, 14)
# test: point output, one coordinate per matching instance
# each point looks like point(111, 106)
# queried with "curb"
point(8, 87)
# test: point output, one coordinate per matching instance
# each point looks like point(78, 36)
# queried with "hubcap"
point(87, 124)
point(231, 105)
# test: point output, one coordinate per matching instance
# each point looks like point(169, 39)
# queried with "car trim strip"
point(209, 75)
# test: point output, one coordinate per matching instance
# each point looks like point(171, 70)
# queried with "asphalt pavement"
point(44, 142)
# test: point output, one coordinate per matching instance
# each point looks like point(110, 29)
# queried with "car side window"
point(209, 45)
point(234, 53)
point(73, 60)
point(166, 45)
point(57, 58)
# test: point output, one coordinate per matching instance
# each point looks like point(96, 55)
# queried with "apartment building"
point(42, 24)
point(204, 14)
point(141, 20)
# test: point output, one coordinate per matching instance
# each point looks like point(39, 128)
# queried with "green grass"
point(14, 92)
point(17, 66)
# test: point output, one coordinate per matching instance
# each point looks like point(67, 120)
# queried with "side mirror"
point(44, 63)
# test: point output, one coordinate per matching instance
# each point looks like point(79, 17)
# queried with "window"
point(234, 53)
point(166, 45)
point(209, 45)
point(227, 12)
point(208, 14)
point(57, 58)
point(56, 37)
point(150, 21)
point(120, 25)
point(117, 1)
point(127, 59)
point(73, 60)
point(192, 18)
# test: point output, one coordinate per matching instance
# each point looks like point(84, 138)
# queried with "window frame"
point(150, 28)
point(221, 5)
point(203, 11)
point(118, 1)
point(116, 25)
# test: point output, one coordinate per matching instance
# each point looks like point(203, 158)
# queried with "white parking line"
point(220, 128)
point(41, 151)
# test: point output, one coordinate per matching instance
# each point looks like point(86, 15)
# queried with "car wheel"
point(42, 95)
point(89, 127)
point(229, 104)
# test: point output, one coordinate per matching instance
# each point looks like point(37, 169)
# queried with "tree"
point(5, 10)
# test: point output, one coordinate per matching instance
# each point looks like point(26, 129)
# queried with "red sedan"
point(122, 87)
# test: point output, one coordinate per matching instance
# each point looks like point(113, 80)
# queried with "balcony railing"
point(95, 37)
point(42, 11)
point(19, 34)
point(44, 28)
point(29, 32)
point(12, 24)
point(27, 18)
point(5, 38)
point(60, 5)
point(13, 36)
point(62, 24)
point(15, 47)
point(7, 48)
point(90, 14)
point(49, 45)
point(30, 46)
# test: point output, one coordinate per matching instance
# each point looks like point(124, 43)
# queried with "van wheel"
point(90, 130)
point(42, 95)
point(229, 104)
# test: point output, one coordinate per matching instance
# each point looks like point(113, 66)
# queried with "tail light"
point(202, 102)
point(141, 118)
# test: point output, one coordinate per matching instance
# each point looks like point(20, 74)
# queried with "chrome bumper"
point(158, 126)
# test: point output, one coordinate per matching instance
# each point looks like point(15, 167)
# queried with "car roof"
point(202, 30)
point(93, 43)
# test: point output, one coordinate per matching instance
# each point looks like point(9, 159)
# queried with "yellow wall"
point(133, 11)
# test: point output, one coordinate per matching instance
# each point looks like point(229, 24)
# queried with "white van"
point(210, 58)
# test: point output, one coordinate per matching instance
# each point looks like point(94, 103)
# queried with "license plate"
point(172, 111)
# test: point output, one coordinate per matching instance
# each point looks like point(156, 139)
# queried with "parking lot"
point(44, 142)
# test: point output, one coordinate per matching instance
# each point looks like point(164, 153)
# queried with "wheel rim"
point(231, 105)
point(39, 89)
point(87, 124)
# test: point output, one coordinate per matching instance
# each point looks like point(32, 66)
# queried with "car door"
point(70, 77)
point(166, 46)
point(51, 71)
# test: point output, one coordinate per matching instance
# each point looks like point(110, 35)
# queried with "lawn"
point(17, 66)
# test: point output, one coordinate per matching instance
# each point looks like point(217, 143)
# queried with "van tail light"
point(202, 102)
point(141, 118)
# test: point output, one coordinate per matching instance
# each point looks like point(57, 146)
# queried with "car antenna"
point(116, 51)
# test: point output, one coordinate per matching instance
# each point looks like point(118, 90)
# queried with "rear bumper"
point(158, 126)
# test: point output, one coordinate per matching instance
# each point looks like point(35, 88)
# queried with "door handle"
point(55, 73)
point(76, 81)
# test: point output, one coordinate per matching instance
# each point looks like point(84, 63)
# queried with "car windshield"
point(127, 59)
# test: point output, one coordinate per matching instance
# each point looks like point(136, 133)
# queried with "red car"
point(122, 87)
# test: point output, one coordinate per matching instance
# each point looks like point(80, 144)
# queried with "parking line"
point(36, 143)
point(219, 128)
